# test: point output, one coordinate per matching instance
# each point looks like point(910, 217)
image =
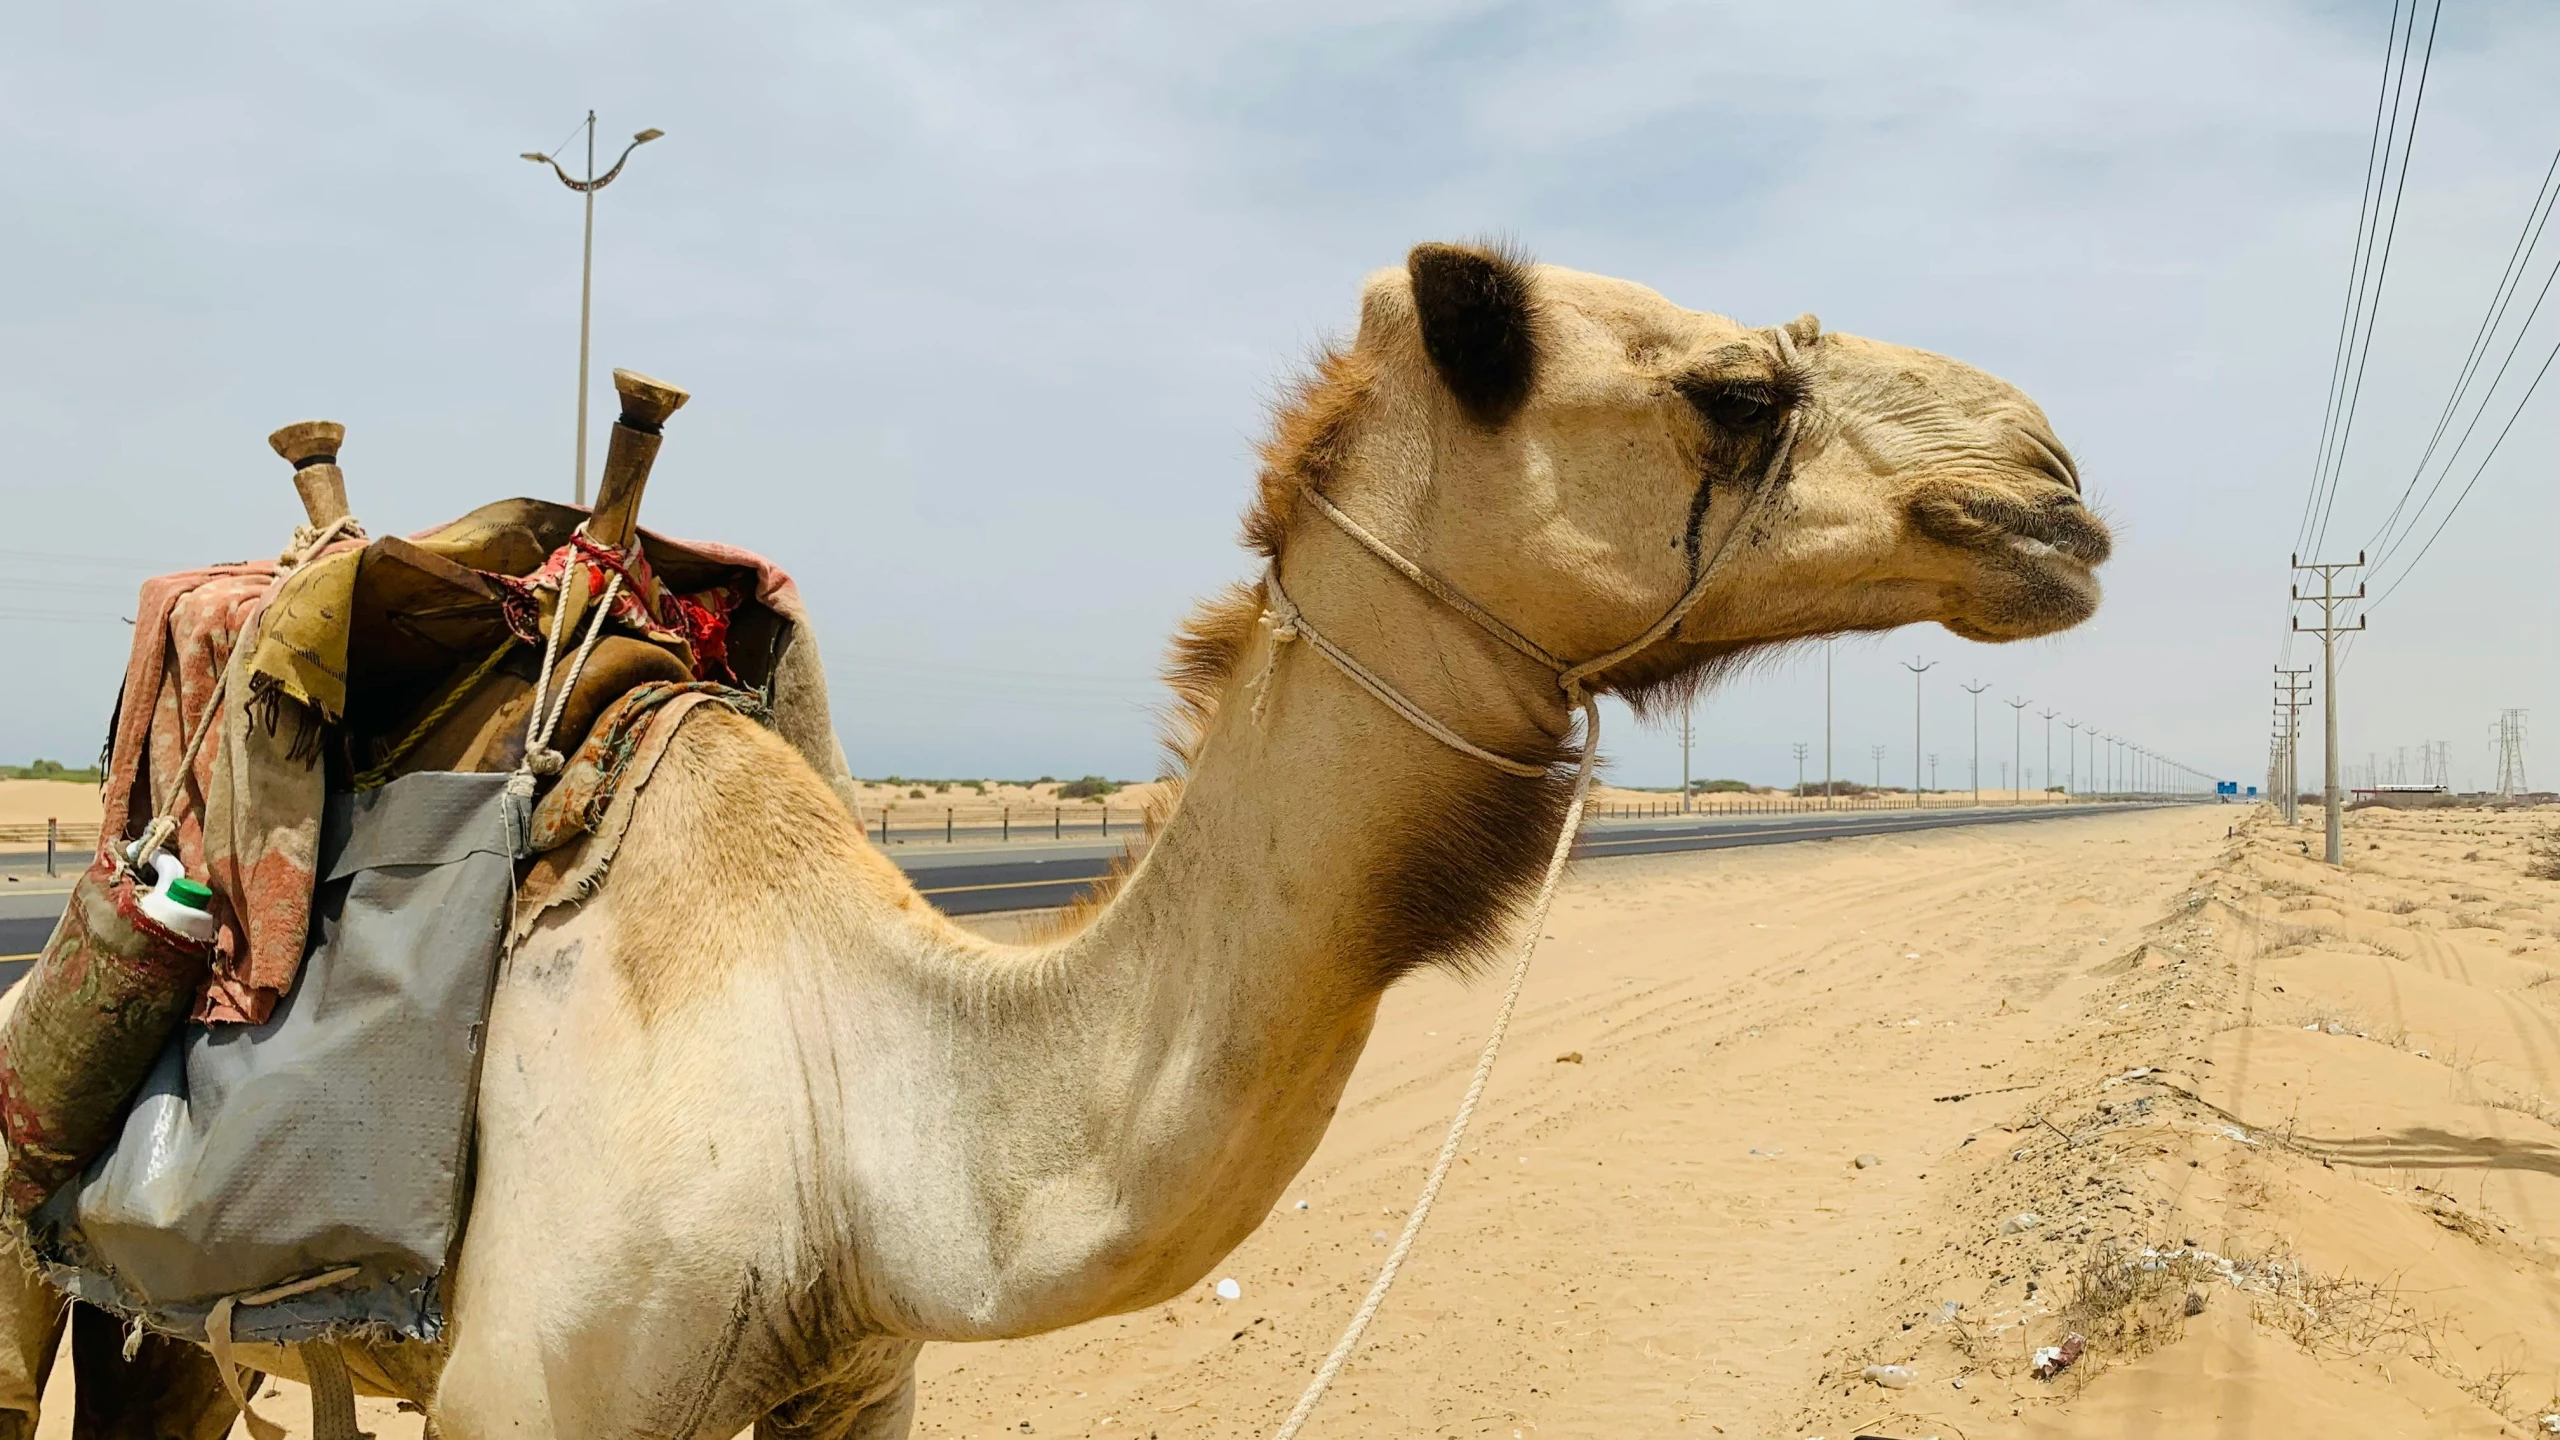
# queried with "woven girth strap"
point(333, 1391)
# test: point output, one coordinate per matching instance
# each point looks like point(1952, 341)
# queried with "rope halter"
point(1288, 623)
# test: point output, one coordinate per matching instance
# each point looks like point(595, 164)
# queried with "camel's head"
point(1573, 448)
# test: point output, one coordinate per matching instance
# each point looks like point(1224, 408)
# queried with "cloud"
point(982, 303)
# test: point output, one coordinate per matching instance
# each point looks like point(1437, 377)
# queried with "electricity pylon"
point(2510, 733)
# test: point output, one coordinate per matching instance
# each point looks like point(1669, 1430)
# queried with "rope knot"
point(309, 540)
point(542, 760)
point(1281, 619)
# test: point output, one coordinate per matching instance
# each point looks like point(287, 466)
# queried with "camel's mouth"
point(2035, 557)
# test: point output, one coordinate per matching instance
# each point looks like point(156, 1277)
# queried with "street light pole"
point(2018, 748)
point(1688, 733)
point(587, 265)
point(1975, 689)
point(1917, 669)
point(1827, 647)
point(2048, 747)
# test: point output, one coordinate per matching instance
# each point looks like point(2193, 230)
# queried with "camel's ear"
point(1479, 320)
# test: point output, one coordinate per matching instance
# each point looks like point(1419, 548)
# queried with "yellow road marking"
point(1012, 885)
point(1717, 834)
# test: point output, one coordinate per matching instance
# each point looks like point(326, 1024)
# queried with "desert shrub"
point(1091, 787)
point(2542, 855)
point(50, 770)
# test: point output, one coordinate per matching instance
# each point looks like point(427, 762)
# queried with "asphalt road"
point(1009, 883)
point(977, 882)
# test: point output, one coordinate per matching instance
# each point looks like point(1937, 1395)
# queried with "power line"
point(2467, 485)
point(78, 617)
point(2510, 280)
point(2382, 269)
point(2348, 309)
point(2478, 413)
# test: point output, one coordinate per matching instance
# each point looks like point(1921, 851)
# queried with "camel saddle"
point(326, 1145)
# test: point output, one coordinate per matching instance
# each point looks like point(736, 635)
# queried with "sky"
point(982, 308)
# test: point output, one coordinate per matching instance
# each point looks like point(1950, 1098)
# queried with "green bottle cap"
point(190, 894)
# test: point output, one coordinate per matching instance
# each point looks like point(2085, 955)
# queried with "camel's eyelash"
point(1715, 398)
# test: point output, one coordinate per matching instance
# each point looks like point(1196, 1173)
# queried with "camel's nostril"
point(2046, 456)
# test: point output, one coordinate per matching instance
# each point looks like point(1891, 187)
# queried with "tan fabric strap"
point(217, 1336)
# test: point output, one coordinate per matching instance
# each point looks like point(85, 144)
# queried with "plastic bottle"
point(178, 903)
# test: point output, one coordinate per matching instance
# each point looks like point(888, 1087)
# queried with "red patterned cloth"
point(696, 626)
point(90, 1020)
point(242, 777)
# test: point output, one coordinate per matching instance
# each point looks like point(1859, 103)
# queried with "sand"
point(1661, 1227)
point(32, 802)
point(1672, 1236)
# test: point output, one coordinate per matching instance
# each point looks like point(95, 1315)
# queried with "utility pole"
point(1975, 690)
point(1933, 770)
point(2292, 683)
point(2334, 848)
point(1800, 749)
point(2071, 759)
point(587, 266)
point(1917, 669)
point(1878, 752)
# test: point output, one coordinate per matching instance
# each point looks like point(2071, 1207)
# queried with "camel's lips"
point(2048, 529)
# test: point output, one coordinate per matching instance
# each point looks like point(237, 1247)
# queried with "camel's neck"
point(1125, 1106)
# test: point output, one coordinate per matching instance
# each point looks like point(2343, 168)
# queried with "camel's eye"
point(1736, 411)
point(1727, 405)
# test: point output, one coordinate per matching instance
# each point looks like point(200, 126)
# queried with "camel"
point(757, 1122)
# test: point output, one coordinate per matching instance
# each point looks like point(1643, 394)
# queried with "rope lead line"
point(1448, 1156)
point(1288, 623)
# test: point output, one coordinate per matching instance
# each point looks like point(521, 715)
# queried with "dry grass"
point(2131, 1300)
point(2338, 1315)
point(2542, 854)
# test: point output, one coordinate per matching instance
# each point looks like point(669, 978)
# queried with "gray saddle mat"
point(338, 1133)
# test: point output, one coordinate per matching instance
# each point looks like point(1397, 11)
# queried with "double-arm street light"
point(587, 266)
